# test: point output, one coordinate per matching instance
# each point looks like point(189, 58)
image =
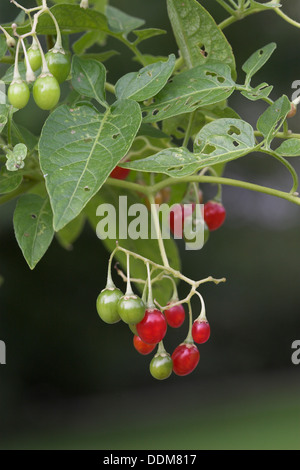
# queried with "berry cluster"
point(149, 322)
point(54, 67)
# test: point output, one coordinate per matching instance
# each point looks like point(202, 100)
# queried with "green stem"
point(286, 17)
point(109, 87)
point(188, 130)
point(189, 338)
point(150, 303)
point(228, 182)
point(289, 167)
point(158, 231)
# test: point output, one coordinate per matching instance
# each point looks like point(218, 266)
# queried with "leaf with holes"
point(33, 227)
point(217, 142)
point(257, 60)
point(198, 36)
point(272, 119)
point(147, 82)
point(289, 148)
point(201, 86)
point(88, 78)
point(261, 92)
point(79, 148)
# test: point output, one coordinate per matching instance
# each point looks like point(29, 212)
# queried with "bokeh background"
point(72, 382)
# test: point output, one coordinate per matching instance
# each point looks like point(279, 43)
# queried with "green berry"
point(131, 309)
point(18, 94)
point(107, 305)
point(46, 92)
point(161, 366)
point(59, 64)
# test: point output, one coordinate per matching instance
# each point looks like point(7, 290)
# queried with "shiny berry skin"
point(153, 327)
point(131, 309)
point(178, 216)
point(59, 64)
point(185, 359)
point(141, 347)
point(214, 215)
point(175, 315)
point(35, 58)
point(120, 173)
point(46, 92)
point(161, 366)
point(18, 94)
point(107, 305)
point(200, 331)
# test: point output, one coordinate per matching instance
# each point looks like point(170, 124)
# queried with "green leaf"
point(147, 82)
point(201, 86)
point(4, 110)
point(70, 18)
point(33, 227)
point(8, 76)
point(78, 150)
point(216, 143)
point(88, 78)
point(289, 148)
point(121, 23)
point(9, 181)
point(3, 46)
point(272, 119)
point(101, 56)
point(86, 41)
point(264, 6)
point(69, 234)
point(198, 37)
point(258, 60)
point(143, 34)
point(148, 59)
point(148, 248)
point(261, 92)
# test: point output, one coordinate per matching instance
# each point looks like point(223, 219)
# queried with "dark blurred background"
point(73, 382)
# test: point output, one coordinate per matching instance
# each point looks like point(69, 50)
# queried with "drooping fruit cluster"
point(54, 69)
point(149, 323)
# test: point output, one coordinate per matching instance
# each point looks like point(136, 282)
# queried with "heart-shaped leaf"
point(289, 148)
point(78, 150)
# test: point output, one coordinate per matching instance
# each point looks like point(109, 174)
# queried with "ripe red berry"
point(153, 327)
point(214, 215)
point(200, 331)
point(185, 359)
point(177, 217)
point(141, 347)
point(175, 315)
point(120, 173)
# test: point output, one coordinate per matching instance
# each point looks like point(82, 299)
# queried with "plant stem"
point(287, 18)
point(158, 231)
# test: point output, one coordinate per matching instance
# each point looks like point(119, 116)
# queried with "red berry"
point(141, 347)
point(185, 358)
point(153, 327)
point(175, 315)
point(120, 173)
point(200, 331)
point(177, 217)
point(214, 215)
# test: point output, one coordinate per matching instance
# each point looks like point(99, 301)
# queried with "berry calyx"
point(200, 331)
point(185, 358)
point(59, 64)
point(161, 366)
point(214, 215)
point(141, 347)
point(292, 112)
point(153, 327)
point(120, 173)
point(18, 94)
point(46, 92)
point(107, 305)
point(175, 315)
point(131, 309)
